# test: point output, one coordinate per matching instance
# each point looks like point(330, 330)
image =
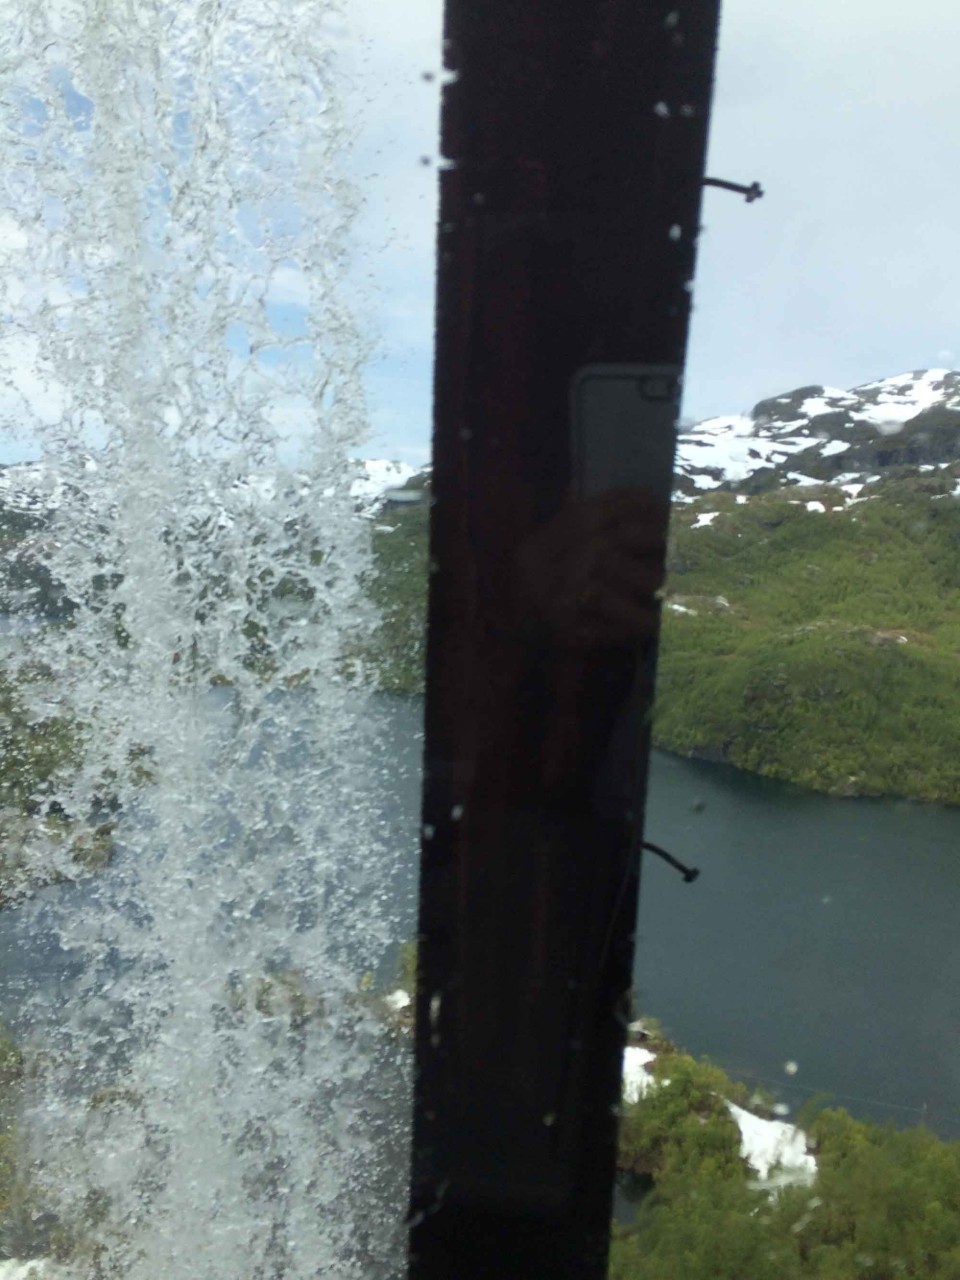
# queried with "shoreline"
point(713, 756)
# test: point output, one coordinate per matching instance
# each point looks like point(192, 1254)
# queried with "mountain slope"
point(816, 646)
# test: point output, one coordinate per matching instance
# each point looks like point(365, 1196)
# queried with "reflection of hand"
point(590, 575)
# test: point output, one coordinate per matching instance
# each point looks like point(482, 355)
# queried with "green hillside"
point(817, 647)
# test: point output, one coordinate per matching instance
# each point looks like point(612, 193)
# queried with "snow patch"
point(703, 481)
point(379, 474)
point(395, 1001)
point(833, 447)
point(636, 1078)
point(831, 400)
point(767, 1145)
point(704, 519)
point(888, 416)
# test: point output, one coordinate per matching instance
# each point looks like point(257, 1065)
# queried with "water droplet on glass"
point(688, 110)
point(781, 1109)
point(676, 231)
point(662, 110)
point(429, 831)
point(428, 76)
point(456, 813)
point(550, 1119)
point(672, 19)
point(790, 1068)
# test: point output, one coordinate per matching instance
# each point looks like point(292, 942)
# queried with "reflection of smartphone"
point(624, 427)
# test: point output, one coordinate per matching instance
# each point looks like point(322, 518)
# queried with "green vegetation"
point(885, 1203)
point(36, 754)
point(24, 1228)
point(407, 968)
point(396, 651)
point(34, 750)
point(818, 648)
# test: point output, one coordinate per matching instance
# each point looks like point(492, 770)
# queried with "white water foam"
point(209, 1093)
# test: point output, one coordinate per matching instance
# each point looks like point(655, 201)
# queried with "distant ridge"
point(818, 434)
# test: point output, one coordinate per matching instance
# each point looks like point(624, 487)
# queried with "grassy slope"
point(400, 544)
point(801, 676)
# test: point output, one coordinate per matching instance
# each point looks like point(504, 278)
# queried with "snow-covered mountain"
point(821, 434)
point(34, 489)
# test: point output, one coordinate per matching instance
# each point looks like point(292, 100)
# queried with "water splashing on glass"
point(211, 1092)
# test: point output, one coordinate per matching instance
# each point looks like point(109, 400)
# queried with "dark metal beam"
point(575, 133)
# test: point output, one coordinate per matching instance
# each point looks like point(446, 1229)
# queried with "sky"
point(848, 270)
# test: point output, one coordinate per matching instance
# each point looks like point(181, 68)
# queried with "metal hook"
point(689, 873)
point(751, 193)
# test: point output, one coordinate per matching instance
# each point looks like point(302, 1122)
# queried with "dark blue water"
point(822, 932)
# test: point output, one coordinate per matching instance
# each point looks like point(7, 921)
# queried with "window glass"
point(216, 301)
